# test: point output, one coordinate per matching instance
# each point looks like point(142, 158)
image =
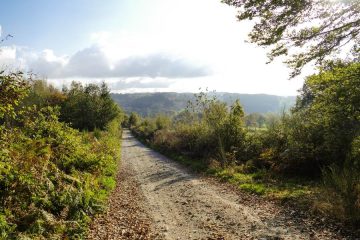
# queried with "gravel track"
point(157, 198)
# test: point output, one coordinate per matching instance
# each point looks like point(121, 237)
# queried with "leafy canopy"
point(326, 119)
point(314, 29)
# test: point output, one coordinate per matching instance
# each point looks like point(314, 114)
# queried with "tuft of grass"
point(262, 183)
point(257, 188)
point(108, 183)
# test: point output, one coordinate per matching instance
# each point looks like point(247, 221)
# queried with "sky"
point(139, 46)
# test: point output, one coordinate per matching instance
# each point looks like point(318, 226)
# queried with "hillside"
point(152, 103)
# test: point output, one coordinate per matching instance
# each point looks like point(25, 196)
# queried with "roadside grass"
point(263, 183)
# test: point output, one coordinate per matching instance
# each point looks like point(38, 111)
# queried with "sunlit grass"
point(261, 183)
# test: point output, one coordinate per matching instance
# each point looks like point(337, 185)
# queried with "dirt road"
point(173, 203)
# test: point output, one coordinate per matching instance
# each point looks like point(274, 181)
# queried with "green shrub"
point(326, 120)
point(52, 177)
point(343, 184)
point(134, 120)
point(162, 122)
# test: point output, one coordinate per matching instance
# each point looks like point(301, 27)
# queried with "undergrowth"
point(53, 178)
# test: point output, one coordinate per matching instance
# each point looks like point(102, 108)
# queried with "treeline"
point(83, 107)
point(319, 139)
point(150, 104)
point(53, 177)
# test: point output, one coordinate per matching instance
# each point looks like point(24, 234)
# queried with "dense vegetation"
point(53, 177)
point(150, 104)
point(319, 138)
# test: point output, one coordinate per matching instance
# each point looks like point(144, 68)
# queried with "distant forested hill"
point(147, 104)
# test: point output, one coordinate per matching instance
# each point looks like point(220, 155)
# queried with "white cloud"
point(7, 56)
point(93, 63)
point(158, 65)
point(45, 64)
point(90, 62)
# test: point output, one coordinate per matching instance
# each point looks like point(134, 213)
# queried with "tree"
point(108, 108)
point(134, 119)
point(307, 30)
point(255, 120)
point(88, 107)
point(43, 94)
point(13, 88)
point(326, 120)
point(232, 131)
